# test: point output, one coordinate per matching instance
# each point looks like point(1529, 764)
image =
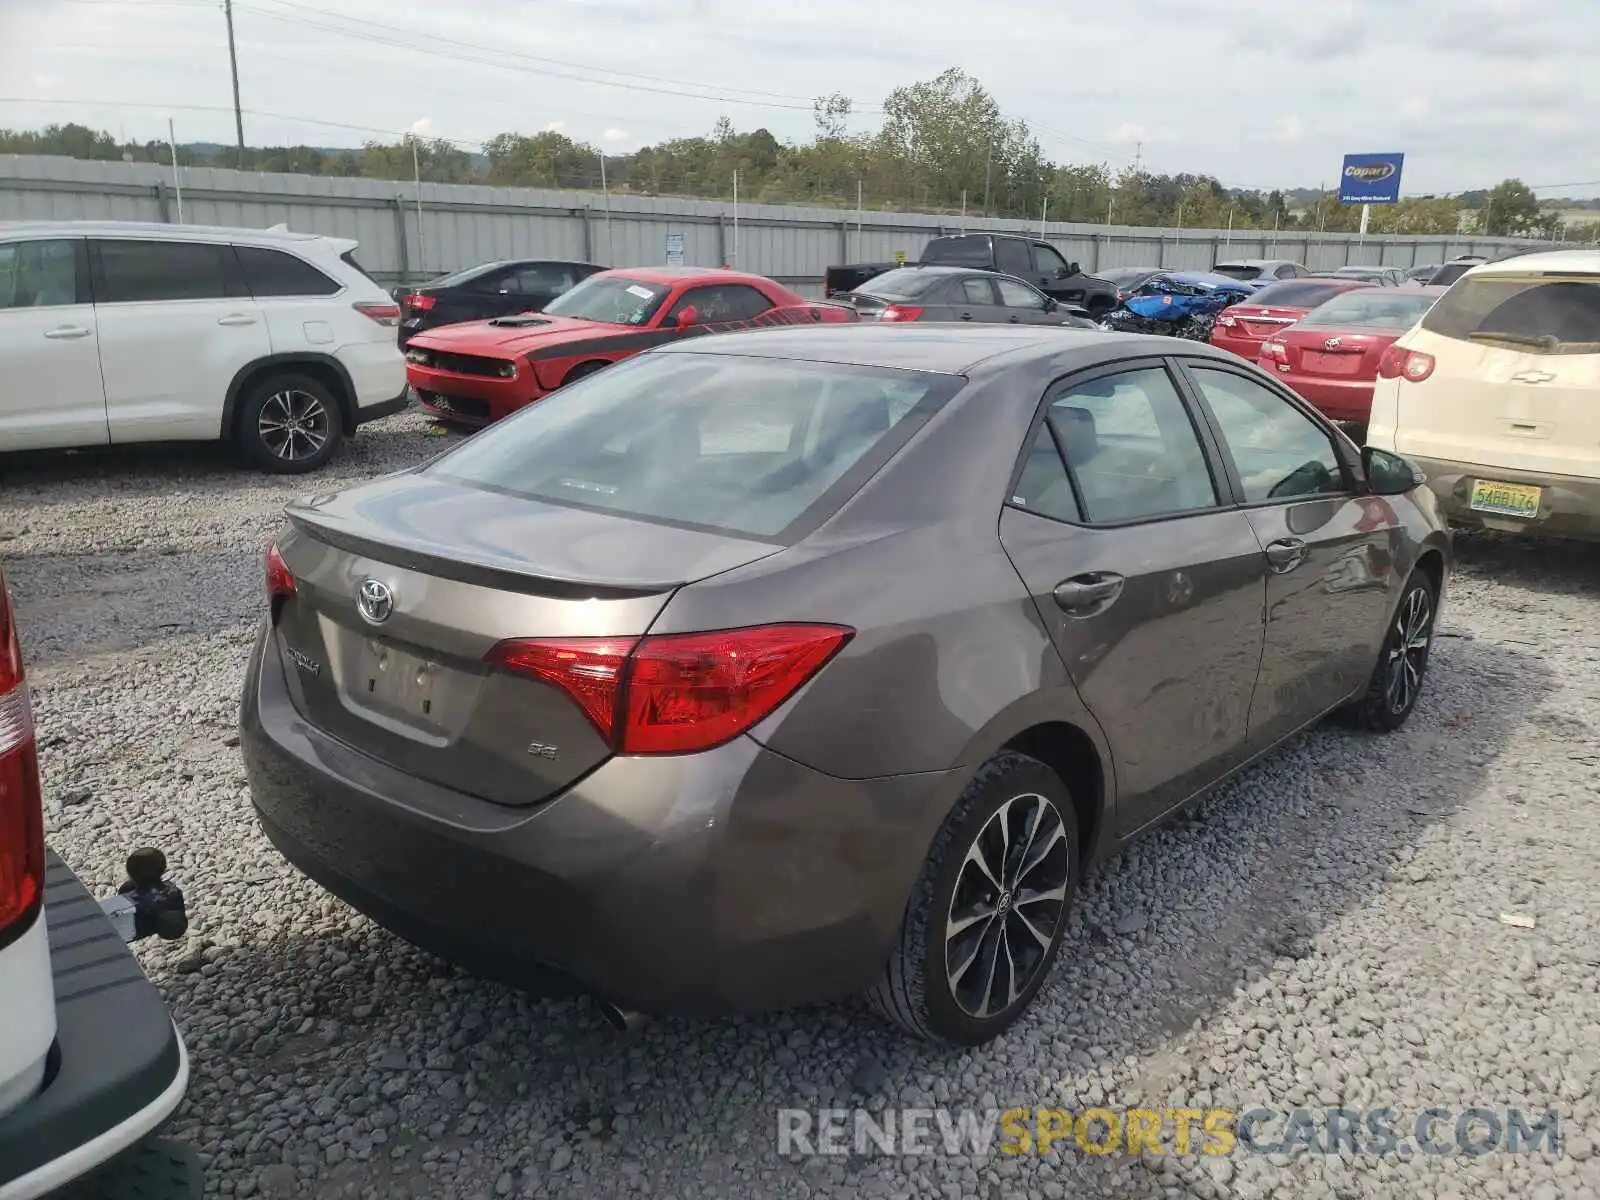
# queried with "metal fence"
point(456, 226)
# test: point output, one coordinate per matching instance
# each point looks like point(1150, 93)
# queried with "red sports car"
point(1331, 356)
point(1243, 327)
point(480, 371)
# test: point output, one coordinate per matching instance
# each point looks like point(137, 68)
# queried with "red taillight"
point(1275, 350)
point(383, 314)
point(420, 302)
point(1399, 363)
point(1226, 321)
point(21, 803)
point(677, 693)
point(280, 580)
point(900, 312)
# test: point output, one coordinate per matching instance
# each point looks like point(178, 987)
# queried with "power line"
point(434, 39)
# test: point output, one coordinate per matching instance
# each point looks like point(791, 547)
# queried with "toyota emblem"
point(375, 600)
point(1331, 344)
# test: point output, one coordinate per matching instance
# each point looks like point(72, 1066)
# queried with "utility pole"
point(233, 64)
point(1138, 157)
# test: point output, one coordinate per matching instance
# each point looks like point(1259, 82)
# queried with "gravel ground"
point(1325, 930)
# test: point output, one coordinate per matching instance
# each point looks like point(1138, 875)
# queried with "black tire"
point(289, 423)
point(1398, 677)
point(583, 371)
point(915, 990)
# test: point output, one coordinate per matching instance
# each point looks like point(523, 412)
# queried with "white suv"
point(116, 332)
point(1496, 396)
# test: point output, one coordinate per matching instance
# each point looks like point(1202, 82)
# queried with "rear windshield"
point(970, 251)
point(747, 446)
point(905, 284)
point(1551, 314)
point(1388, 309)
point(1449, 273)
point(1237, 270)
point(1125, 276)
point(1299, 293)
point(612, 299)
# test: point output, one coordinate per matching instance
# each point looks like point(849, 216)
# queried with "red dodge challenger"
point(480, 371)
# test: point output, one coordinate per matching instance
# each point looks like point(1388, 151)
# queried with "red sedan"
point(480, 371)
point(1246, 325)
point(1331, 355)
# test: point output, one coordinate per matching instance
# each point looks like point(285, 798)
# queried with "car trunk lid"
point(403, 588)
point(1328, 353)
point(1258, 323)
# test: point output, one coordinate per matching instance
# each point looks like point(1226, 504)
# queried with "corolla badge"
point(375, 599)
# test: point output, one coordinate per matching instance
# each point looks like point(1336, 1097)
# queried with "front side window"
point(38, 274)
point(746, 445)
point(717, 304)
point(1131, 446)
point(136, 272)
point(1279, 452)
point(1047, 262)
point(611, 300)
point(1548, 314)
point(1018, 295)
point(274, 273)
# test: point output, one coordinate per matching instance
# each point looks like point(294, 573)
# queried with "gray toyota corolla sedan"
point(780, 666)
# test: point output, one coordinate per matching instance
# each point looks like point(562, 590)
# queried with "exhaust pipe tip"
point(623, 1020)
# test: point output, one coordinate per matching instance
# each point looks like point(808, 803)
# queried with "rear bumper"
point(1338, 399)
point(1569, 506)
point(731, 881)
point(377, 373)
point(387, 408)
point(118, 1068)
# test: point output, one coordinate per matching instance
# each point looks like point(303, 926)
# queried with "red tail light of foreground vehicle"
point(1398, 362)
point(677, 693)
point(900, 312)
point(383, 314)
point(280, 580)
point(21, 802)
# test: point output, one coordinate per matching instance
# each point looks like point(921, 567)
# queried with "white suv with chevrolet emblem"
point(1496, 396)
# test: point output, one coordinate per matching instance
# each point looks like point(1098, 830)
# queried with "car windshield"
point(741, 445)
point(1238, 270)
point(611, 299)
point(905, 284)
point(1299, 293)
point(1551, 314)
point(1388, 309)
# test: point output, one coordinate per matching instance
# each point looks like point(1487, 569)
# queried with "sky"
point(1258, 93)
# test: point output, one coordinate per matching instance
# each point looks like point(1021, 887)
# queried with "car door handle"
point(966, 316)
point(66, 333)
point(1092, 591)
point(1013, 318)
point(1286, 554)
point(236, 319)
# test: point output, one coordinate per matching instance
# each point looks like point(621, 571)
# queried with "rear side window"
point(131, 272)
point(748, 446)
point(541, 279)
point(1299, 293)
point(348, 258)
point(38, 274)
point(273, 273)
point(1546, 314)
point(1011, 257)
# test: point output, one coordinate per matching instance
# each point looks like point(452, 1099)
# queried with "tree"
point(1511, 208)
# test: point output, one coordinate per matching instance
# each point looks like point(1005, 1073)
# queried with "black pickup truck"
point(1036, 261)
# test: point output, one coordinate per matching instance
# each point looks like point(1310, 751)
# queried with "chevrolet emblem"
point(1533, 377)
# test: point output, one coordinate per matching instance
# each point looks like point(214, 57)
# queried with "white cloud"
point(1346, 72)
point(422, 128)
point(555, 127)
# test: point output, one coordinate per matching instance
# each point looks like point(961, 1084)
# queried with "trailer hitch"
point(147, 905)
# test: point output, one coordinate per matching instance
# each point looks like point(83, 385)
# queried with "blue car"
point(1177, 303)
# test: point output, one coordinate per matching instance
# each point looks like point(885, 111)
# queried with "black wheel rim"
point(1409, 641)
point(1009, 900)
point(293, 425)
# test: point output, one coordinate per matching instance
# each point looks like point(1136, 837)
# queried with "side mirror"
point(1389, 474)
point(1050, 304)
point(686, 316)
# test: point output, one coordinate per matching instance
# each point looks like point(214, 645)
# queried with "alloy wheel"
point(294, 425)
point(1408, 650)
point(1008, 903)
